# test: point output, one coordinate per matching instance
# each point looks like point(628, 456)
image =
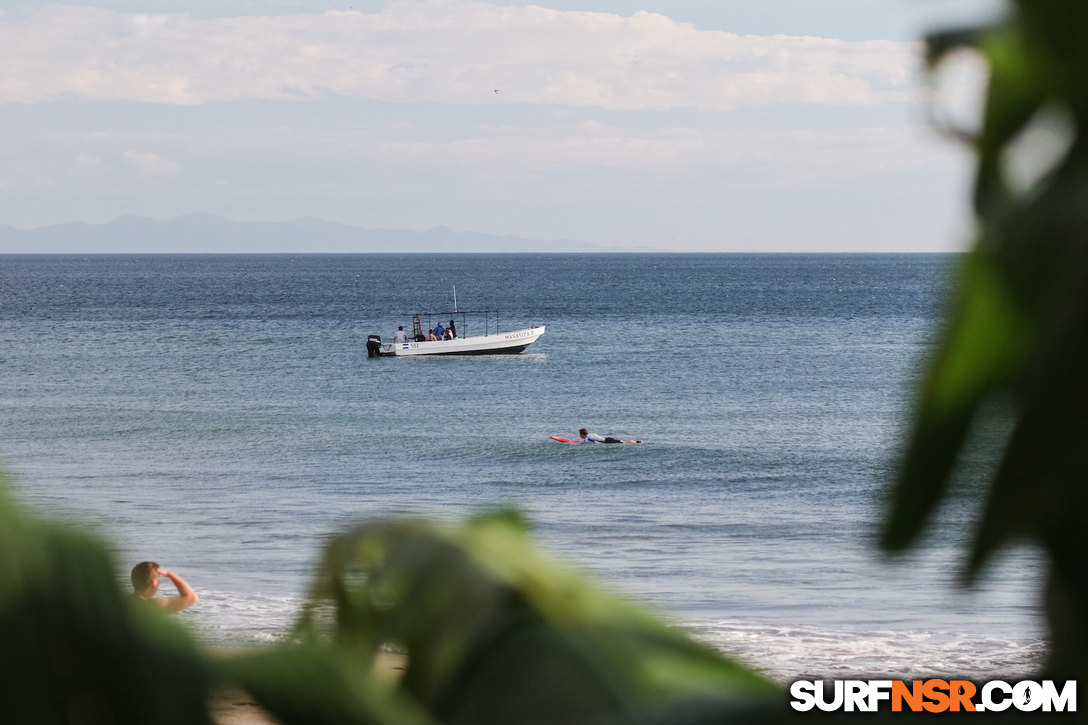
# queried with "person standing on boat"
point(439, 331)
point(452, 330)
point(400, 335)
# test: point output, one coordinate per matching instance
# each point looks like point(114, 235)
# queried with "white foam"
point(789, 653)
point(783, 653)
point(233, 619)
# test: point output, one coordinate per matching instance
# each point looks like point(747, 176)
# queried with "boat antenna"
point(455, 298)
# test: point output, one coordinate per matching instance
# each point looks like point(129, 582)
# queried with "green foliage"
point(496, 633)
point(1017, 337)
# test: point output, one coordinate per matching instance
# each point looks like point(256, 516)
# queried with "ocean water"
point(218, 414)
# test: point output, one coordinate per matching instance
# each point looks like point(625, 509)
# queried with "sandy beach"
point(236, 707)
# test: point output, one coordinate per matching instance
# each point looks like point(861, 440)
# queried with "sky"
point(680, 125)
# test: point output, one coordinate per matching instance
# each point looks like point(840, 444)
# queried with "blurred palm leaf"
point(1018, 334)
point(496, 633)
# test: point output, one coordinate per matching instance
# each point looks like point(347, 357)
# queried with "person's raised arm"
point(186, 596)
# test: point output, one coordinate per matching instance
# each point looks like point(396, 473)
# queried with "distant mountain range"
point(208, 233)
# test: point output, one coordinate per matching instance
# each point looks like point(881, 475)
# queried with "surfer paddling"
point(584, 436)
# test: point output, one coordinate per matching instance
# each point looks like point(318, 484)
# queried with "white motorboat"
point(494, 344)
point(489, 343)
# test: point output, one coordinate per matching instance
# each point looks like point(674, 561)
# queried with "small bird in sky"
point(496, 90)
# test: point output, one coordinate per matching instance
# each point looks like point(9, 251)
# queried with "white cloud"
point(768, 157)
point(85, 161)
point(150, 163)
point(437, 52)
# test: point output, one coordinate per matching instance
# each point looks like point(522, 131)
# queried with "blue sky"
point(692, 125)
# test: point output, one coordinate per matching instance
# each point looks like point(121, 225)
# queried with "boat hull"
point(502, 343)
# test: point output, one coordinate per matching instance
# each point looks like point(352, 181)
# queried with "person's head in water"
point(582, 432)
point(145, 578)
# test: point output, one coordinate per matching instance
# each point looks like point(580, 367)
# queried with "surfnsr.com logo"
point(933, 696)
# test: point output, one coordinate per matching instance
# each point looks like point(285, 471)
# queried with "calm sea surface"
point(218, 414)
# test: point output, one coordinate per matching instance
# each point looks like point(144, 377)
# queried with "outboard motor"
point(374, 346)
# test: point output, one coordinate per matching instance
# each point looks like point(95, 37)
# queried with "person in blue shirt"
point(439, 331)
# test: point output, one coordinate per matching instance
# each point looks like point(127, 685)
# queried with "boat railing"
point(423, 320)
